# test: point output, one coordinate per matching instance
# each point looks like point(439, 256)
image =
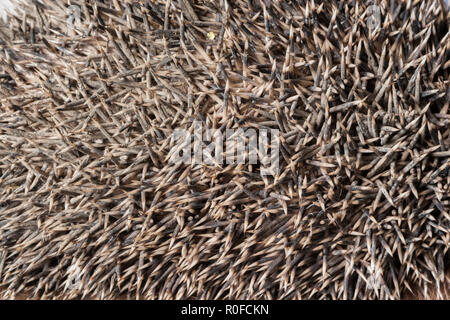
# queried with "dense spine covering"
point(91, 207)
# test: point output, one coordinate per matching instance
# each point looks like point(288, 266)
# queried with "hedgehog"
point(92, 207)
